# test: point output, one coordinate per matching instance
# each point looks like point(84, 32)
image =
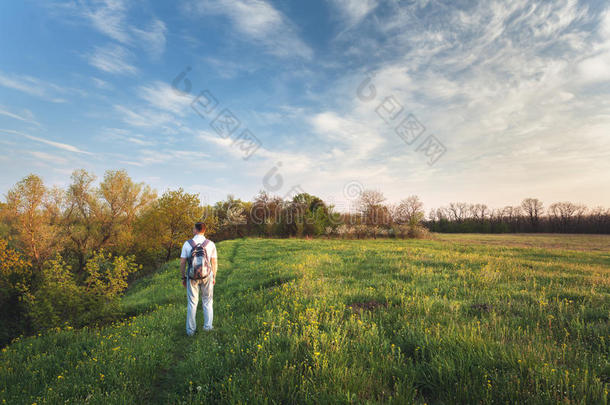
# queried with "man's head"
point(199, 228)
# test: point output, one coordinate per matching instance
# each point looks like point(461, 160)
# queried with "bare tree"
point(565, 212)
point(370, 205)
point(533, 208)
point(409, 209)
point(458, 211)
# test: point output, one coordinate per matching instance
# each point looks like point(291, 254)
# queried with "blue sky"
point(514, 93)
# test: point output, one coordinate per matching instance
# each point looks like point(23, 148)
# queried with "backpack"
point(199, 263)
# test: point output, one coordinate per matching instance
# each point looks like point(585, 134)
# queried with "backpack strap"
point(205, 253)
point(192, 243)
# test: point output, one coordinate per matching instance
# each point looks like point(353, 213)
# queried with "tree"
point(81, 219)
point(458, 211)
point(31, 212)
point(15, 281)
point(564, 212)
point(370, 205)
point(168, 222)
point(532, 207)
point(410, 208)
point(265, 214)
point(121, 201)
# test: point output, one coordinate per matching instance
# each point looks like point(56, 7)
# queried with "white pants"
point(193, 289)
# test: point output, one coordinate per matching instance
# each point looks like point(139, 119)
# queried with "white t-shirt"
point(199, 238)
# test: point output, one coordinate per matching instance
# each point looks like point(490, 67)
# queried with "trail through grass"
point(311, 321)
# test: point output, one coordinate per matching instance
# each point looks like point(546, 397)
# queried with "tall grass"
point(315, 321)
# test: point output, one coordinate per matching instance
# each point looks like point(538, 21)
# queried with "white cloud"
point(354, 11)
point(25, 116)
point(111, 18)
point(500, 85)
point(112, 59)
point(59, 145)
point(148, 157)
point(153, 37)
point(258, 22)
point(162, 106)
point(108, 17)
point(49, 157)
point(34, 86)
point(143, 117)
point(101, 84)
point(124, 135)
point(164, 97)
point(356, 138)
point(596, 68)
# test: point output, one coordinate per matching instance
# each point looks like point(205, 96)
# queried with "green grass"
point(318, 321)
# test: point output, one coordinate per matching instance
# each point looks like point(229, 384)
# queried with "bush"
point(58, 300)
point(107, 276)
point(418, 232)
point(15, 281)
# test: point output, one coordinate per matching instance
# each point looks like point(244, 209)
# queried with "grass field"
point(458, 319)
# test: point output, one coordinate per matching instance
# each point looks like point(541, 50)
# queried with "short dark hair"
point(200, 226)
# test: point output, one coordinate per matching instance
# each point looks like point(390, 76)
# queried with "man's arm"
point(183, 270)
point(214, 262)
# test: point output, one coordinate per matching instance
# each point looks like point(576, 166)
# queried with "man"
point(194, 287)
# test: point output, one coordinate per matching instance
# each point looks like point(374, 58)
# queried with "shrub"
point(418, 232)
point(58, 300)
point(107, 275)
point(15, 280)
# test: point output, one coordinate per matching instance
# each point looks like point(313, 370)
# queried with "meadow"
point(453, 319)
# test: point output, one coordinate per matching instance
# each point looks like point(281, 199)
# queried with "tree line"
point(530, 216)
point(66, 254)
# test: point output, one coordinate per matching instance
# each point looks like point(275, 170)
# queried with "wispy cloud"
point(33, 86)
point(59, 145)
point(162, 105)
point(148, 157)
point(111, 18)
point(108, 17)
point(112, 58)
point(354, 11)
point(152, 37)
point(124, 135)
point(143, 117)
point(25, 116)
point(101, 84)
point(596, 68)
point(164, 97)
point(258, 22)
point(491, 82)
point(49, 157)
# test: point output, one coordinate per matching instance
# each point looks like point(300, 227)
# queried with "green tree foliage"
point(61, 299)
point(58, 298)
point(107, 275)
point(168, 222)
point(103, 217)
point(32, 215)
point(81, 223)
point(67, 254)
point(122, 201)
point(15, 277)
